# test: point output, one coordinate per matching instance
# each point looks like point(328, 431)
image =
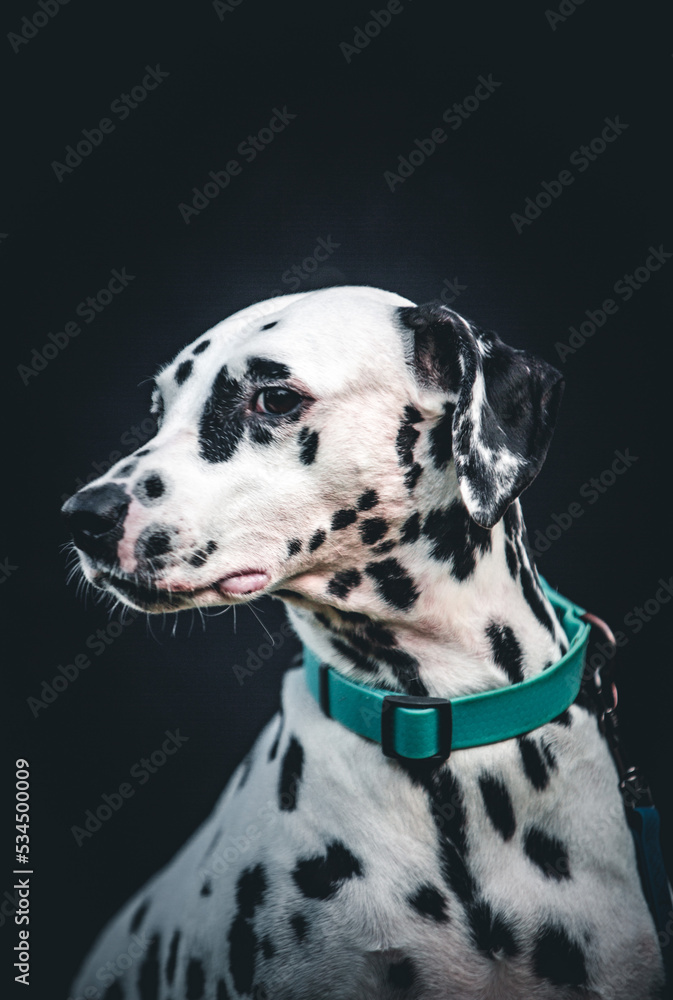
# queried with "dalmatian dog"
point(361, 458)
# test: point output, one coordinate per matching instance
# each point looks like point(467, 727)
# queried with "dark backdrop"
point(447, 227)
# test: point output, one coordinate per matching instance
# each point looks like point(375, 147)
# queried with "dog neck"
point(466, 619)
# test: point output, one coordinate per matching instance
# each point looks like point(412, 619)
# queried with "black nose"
point(96, 519)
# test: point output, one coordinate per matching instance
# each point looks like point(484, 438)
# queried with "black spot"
point(148, 977)
point(198, 558)
point(145, 451)
point(242, 939)
point(206, 889)
point(372, 530)
point(355, 617)
point(498, 805)
point(268, 326)
point(242, 953)
point(559, 959)
point(441, 440)
point(268, 948)
point(402, 974)
point(564, 719)
point(293, 547)
point(411, 528)
point(407, 436)
point(534, 599)
point(549, 854)
point(127, 470)
point(448, 813)
point(299, 926)
point(261, 434)
point(200, 348)
point(321, 877)
point(343, 582)
point(380, 634)
point(533, 765)
point(393, 583)
point(114, 992)
point(405, 668)
point(308, 445)
point(317, 539)
point(512, 561)
point(491, 932)
point(384, 548)
point(211, 546)
point(153, 487)
point(356, 658)
point(549, 756)
point(448, 810)
point(172, 957)
point(273, 750)
point(429, 902)
point(512, 521)
point(506, 650)
point(368, 500)
point(195, 981)
point(222, 992)
point(411, 477)
point(264, 368)
point(250, 890)
point(290, 775)
point(221, 423)
point(343, 518)
point(156, 543)
point(454, 535)
point(183, 371)
point(138, 917)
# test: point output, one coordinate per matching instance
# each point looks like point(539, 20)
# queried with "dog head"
point(305, 439)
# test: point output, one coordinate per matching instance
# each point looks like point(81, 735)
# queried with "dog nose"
point(96, 518)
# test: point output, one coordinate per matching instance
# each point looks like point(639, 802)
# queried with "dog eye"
point(276, 400)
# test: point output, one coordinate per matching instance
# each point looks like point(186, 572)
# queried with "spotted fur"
point(377, 497)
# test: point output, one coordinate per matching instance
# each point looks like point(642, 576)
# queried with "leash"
point(426, 730)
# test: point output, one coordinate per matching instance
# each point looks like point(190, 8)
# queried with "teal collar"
point(428, 729)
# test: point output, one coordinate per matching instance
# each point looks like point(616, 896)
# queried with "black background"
point(321, 177)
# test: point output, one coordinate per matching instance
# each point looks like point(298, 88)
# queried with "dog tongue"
point(243, 583)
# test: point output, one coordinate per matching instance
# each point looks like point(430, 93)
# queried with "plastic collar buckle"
point(444, 726)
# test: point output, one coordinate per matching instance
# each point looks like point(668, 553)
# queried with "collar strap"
point(428, 729)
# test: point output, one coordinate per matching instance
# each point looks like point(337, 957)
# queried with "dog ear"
point(503, 402)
